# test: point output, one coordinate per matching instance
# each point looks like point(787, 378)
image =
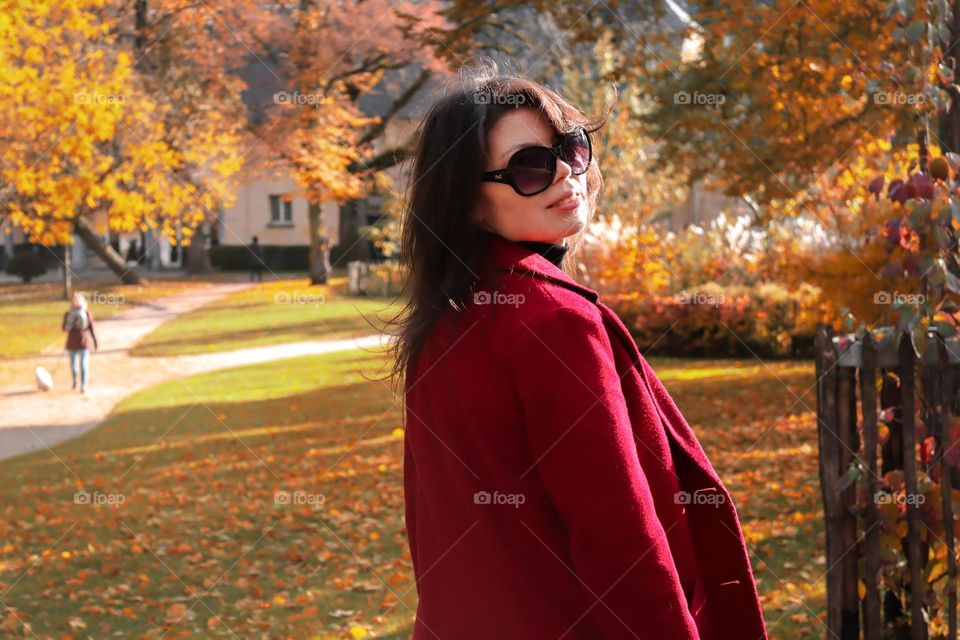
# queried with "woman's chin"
point(575, 221)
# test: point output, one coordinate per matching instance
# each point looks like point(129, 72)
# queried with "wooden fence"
point(861, 601)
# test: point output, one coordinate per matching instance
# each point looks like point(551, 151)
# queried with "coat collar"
point(505, 255)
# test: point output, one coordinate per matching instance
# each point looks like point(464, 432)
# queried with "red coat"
point(553, 489)
point(80, 338)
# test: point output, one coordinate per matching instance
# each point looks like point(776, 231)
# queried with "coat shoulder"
point(530, 297)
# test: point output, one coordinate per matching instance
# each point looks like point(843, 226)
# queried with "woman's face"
point(505, 212)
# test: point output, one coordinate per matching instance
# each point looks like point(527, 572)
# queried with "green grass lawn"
point(31, 315)
point(757, 423)
point(200, 546)
point(274, 312)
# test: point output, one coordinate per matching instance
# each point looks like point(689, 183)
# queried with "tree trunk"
point(198, 259)
point(349, 240)
point(319, 259)
point(105, 252)
point(67, 273)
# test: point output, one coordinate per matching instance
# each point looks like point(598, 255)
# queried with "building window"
point(281, 210)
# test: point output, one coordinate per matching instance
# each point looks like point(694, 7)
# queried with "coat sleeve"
point(93, 334)
point(582, 440)
point(411, 493)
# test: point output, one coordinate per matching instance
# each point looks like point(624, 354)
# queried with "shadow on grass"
point(320, 329)
point(168, 518)
point(201, 546)
point(758, 426)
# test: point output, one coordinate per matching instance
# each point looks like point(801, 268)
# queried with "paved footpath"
point(31, 419)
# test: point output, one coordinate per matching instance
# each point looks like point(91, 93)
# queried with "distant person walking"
point(78, 323)
point(133, 253)
point(256, 260)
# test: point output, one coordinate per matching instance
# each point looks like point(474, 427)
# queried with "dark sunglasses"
point(532, 169)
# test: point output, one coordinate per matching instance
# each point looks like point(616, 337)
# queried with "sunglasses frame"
point(505, 175)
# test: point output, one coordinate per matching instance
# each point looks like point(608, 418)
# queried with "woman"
point(78, 323)
point(553, 489)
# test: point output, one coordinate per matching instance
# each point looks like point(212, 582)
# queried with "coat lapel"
point(504, 255)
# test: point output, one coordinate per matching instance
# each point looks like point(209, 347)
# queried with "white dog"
point(44, 379)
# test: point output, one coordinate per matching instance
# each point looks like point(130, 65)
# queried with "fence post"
point(868, 396)
point(829, 457)
point(918, 626)
point(849, 448)
point(945, 441)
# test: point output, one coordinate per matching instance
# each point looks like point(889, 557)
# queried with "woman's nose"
point(563, 170)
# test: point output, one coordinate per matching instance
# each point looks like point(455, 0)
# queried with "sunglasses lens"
point(533, 169)
point(576, 151)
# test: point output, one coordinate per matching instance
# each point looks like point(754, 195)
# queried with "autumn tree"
point(761, 98)
point(802, 107)
point(85, 139)
point(189, 58)
point(326, 57)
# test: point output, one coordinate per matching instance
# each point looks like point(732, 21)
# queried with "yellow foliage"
point(85, 136)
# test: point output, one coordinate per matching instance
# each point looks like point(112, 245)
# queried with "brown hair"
point(440, 247)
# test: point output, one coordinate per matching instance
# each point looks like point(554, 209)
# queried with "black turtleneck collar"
point(552, 252)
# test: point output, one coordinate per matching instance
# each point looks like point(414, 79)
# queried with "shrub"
point(765, 320)
point(276, 257)
point(384, 279)
point(26, 266)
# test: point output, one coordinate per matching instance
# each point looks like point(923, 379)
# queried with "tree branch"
point(398, 104)
point(383, 160)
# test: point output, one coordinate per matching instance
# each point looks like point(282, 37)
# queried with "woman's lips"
point(570, 202)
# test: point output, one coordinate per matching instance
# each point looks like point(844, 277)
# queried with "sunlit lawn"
point(31, 315)
point(199, 548)
point(757, 423)
point(275, 312)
